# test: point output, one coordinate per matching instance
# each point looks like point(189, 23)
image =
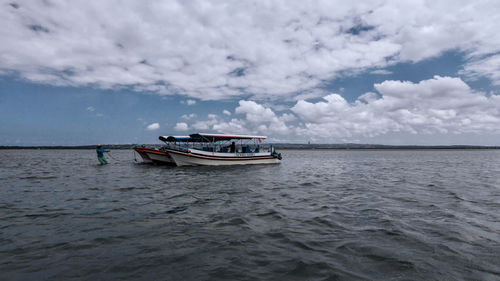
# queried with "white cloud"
point(258, 119)
point(153, 127)
point(273, 50)
point(181, 126)
point(226, 112)
point(441, 106)
point(381, 72)
point(93, 110)
point(262, 117)
point(288, 117)
point(188, 102)
point(189, 116)
point(234, 126)
point(206, 125)
point(484, 67)
point(438, 105)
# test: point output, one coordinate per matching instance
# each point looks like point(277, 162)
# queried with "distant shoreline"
point(281, 146)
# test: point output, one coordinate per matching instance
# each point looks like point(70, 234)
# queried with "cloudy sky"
point(387, 72)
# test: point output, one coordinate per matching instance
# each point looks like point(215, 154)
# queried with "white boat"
point(158, 156)
point(151, 155)
point(212, 150)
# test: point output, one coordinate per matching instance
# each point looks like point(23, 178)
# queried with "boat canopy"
point(203, 137)
point(224, 137)
point(176, 139)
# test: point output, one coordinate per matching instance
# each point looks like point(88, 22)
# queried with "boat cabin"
point(218, 143)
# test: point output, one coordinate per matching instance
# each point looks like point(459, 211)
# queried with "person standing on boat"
point(100, 154)
point(233, 147)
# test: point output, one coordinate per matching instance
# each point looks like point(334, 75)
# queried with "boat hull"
point(150, 155)
point(192, 159)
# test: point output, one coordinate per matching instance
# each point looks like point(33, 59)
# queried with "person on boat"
point(233, 147)
point(100, 154)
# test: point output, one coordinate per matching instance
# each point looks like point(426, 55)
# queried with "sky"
point(379, 72)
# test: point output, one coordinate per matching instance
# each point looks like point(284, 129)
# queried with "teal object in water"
point(100, 152)
point(100, 155)
point(102, 160)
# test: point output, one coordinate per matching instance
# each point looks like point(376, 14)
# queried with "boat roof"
point(205, 137)
point(220, 137)
point(176, 138)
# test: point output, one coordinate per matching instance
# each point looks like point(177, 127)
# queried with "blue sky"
point(80, 72)
point(34, 114)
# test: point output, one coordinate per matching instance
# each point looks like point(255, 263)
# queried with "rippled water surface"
point(320, 215)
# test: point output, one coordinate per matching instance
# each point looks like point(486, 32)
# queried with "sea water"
point(319, 215)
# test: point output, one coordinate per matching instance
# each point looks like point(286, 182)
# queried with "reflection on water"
point(320, 215)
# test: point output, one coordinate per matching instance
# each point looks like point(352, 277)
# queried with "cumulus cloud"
point(91, 108)
point(181, 126)
point(189, 102)
point(437, 105)
point(198, 48)
point(441, 105)
point(188, 116)
point(256, 119)
point(226, 112)
point(484, 67)
point(381, 72)
point(153, 127)
point(206, 125)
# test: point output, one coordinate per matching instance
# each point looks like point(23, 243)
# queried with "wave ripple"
point(320, 215)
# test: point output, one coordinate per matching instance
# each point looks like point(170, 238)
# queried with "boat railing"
point(221, 148)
